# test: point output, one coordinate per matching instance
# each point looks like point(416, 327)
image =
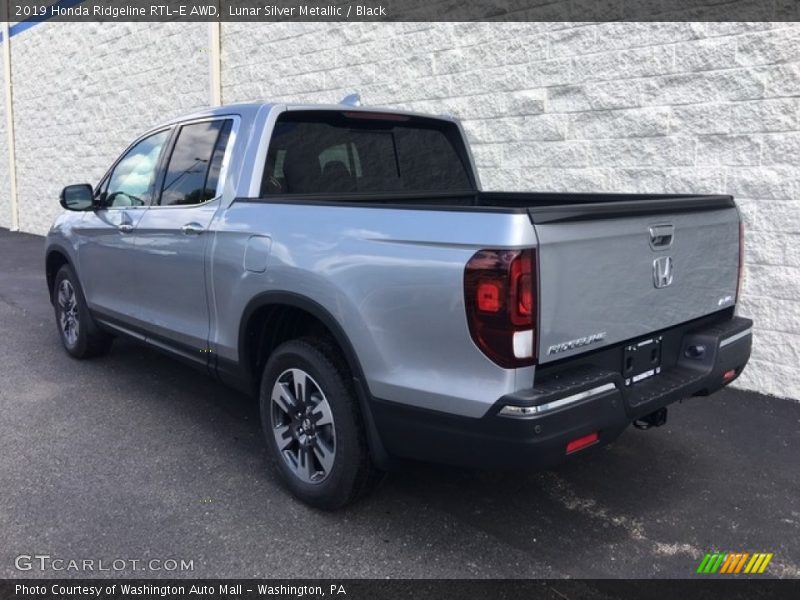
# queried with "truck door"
point(174, 234)
point(107, 235)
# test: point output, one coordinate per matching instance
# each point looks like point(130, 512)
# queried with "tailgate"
point(609, 274)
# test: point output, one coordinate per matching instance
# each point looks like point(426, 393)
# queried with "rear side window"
point(193, 170)
point(316, 152)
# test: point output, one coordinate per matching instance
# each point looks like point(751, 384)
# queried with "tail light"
point(500, 298)
point(740, 274)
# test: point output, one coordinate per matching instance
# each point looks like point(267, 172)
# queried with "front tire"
point(79, 334)
point(312, 424)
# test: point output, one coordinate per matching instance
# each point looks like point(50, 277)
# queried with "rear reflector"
point(728, 375)
point(582, 442)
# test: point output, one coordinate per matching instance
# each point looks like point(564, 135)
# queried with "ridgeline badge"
point(577, 343)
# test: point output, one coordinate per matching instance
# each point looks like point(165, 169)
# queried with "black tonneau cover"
point(556, 207)
point(543, 207)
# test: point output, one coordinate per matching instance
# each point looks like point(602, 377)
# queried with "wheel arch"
point(55, 258)
point(251, 332)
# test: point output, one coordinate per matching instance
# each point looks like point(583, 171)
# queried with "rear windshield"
point(315, 152)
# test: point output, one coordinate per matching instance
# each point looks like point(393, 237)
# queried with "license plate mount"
point(641, 360)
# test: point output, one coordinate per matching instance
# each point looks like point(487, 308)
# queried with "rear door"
point(606, 277)
point(173, 236)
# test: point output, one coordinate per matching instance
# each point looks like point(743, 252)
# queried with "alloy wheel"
point(303, 427)
point(68, 312)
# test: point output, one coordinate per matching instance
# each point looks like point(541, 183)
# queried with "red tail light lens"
point(522, 289)
point(500, 298)
point(488, 296)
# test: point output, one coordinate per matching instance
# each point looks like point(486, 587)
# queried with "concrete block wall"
point(84, 91)
point(635, 107)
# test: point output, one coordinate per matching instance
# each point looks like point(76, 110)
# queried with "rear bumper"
point(570, 400)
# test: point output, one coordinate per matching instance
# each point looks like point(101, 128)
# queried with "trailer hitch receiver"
point(654, 419)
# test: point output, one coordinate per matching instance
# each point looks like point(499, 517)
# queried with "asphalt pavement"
point(136, 457)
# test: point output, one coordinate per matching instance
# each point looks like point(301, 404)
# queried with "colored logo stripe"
point(758, 563)
point(730, 562)
point(711, 563)
point(734, 562)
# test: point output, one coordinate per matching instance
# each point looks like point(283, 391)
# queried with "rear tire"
point(312, 424)
point(80, 335)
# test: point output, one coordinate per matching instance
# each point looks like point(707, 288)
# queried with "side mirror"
point(77, 197)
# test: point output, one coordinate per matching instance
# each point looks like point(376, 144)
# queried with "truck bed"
point(597, 259)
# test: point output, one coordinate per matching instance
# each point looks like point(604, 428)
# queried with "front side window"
point(131, 181)
point(313, 152)
point(194, 167)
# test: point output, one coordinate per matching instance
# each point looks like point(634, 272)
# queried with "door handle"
point(125, 227)
point(192, 229)
point(661, 236)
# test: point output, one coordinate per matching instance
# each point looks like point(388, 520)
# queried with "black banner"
point(375, 589)
point(402, 10)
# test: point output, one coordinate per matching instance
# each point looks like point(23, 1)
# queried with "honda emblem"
point(662, 271)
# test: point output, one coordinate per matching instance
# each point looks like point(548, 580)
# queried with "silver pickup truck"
point(342, 264)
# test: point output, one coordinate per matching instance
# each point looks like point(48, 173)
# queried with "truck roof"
point(251, 109)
